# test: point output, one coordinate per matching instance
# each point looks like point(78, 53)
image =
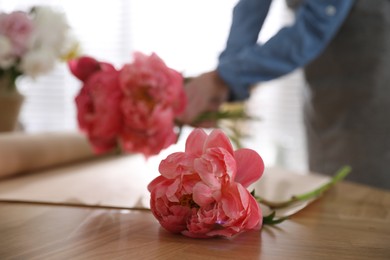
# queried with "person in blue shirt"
point(344, 49)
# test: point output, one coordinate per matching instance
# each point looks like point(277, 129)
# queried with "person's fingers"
point(195, 105)
point(205, 93)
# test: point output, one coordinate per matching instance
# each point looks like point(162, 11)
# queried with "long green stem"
point(340, 175)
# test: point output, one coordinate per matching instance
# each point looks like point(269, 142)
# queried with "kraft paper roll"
point(26, 152)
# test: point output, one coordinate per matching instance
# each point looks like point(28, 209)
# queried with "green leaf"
point(271, 220)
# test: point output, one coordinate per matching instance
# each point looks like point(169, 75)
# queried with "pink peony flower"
point(18, 27)
point(202, 192)
point(98, 110)
point(153, 96)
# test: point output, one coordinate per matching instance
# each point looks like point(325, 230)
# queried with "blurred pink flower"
point(150, 81)
point(18, 27)
point(83, 67)
point(147, 133)
point(202, 192)
point(134, 108)
point(153, 95)
point(98, 110)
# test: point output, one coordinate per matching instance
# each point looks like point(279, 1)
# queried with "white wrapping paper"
point(121, 181)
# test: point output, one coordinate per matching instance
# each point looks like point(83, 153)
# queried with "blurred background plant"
point(31, 42)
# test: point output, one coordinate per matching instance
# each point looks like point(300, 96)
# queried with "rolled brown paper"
point(24, 152)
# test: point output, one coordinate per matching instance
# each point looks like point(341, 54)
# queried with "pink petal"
point(217, 138)
point(250, 166)
point(241, 207)
point(255, 219)
point(176, 164)
point(252, 208)
point(155, 182)
point(195, 142)
point(231, 201)
point(175, 222)
point(216, 167)
point(227, 159)
point(171, 191)
point(205, 169)
point(85, 66)
point(202, 194)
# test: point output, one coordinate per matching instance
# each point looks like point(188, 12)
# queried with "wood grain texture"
point(349, 222)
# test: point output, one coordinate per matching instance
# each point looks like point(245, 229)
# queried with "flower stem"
point(340, 175)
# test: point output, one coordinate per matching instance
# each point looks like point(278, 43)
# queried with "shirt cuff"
point(229, 72)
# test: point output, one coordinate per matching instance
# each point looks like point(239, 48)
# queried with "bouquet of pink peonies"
point(133, 108)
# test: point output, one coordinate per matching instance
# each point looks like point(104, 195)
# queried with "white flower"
point(70, 46)
point(51, 30)
point(38, 62)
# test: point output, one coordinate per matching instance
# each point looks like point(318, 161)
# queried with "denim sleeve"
point(245, 62)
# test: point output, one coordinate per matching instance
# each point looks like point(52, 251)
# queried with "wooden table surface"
point(349, 222)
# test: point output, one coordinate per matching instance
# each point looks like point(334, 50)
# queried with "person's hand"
point(205, 93)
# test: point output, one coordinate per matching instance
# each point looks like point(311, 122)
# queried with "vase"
point(11, 102)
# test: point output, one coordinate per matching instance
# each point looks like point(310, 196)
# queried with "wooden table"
point(350, 222)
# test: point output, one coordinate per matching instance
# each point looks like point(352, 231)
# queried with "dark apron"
point(347, 98)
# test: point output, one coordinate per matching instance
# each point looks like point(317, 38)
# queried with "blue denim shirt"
point(245, 62)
